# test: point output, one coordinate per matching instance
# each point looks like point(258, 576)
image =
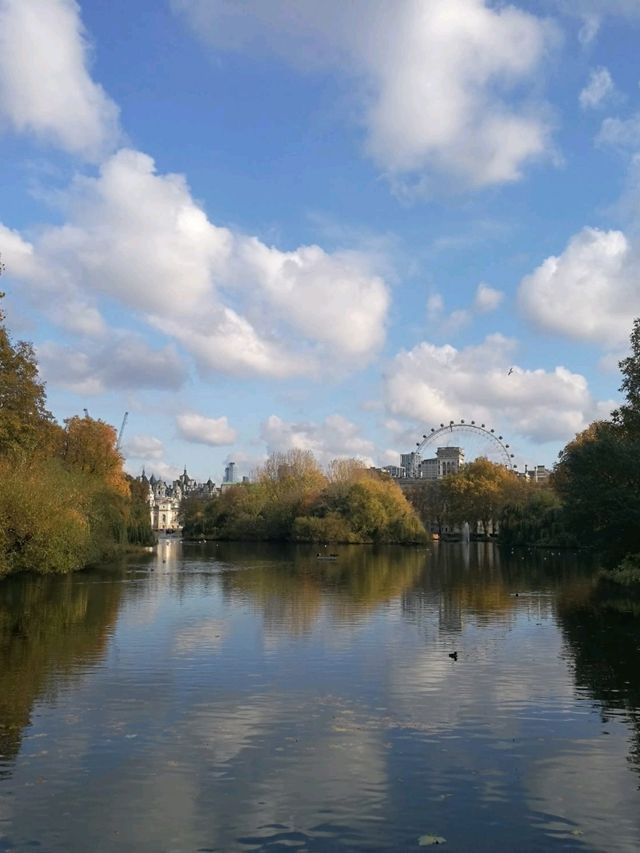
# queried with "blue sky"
point(269, 224)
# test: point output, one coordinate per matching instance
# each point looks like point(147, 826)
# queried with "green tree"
point(25, 422)
point(598, 480)
point(627, 415)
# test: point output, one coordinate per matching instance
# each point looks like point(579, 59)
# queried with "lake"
point(252, 697)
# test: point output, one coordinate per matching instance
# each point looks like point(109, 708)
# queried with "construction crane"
point(124, 423)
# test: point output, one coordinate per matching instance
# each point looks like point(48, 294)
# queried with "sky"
point(258, 225)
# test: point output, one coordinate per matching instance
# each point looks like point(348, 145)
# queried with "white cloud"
point(598, 90)
point(17, 254)
point(124, 361)
point(236, 304)
point(435, 305)
point(432, 385)
point(487, 298)
point(620, 133)
point(590, 292)
point(201, 430)
point(589, 29)
point(335, 437)
point(162, 470)
point(45, 85)
point(146, 447)
point(439, 84)
point(590, 14)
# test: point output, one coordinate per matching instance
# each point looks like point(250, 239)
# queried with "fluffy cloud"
point(598, 90)
point(146, 447)
point(236, 304)
point(431, 385)
point(590, 292)
point(201, 430)
point(487, 298)
point(147, 451)
point(434, 79)
point(122, 362)
point(333, 438)
point(45, 86)
point(620, 133)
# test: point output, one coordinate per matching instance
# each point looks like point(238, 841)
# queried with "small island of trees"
point(293, 499)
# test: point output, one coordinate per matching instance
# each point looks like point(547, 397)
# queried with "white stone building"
point(165, 499)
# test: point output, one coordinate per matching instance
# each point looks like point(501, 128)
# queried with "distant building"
point(537, 474)
point(165, 499)
point(230, 473)
point(429, 469)
point(411, 463)
point(450, 460)
point(395, 471)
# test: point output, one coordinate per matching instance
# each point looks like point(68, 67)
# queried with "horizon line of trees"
point(293, 499)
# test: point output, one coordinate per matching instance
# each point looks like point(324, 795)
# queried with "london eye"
point(475, 439)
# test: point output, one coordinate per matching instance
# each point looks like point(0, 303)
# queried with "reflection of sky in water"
point(251, 698)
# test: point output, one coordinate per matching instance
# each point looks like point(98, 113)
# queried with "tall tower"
point(411, 463)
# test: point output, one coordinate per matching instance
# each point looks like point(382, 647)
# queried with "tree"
point(598, 473)
point(598, 480)
point(627, 415)
point(478, 492)
point(25, 422)
point(89, 446)
point(346, 470)
point(429, 499)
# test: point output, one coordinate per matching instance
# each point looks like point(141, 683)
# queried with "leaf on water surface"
point(431, 840)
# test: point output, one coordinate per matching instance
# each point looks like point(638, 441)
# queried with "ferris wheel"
point(475, 439)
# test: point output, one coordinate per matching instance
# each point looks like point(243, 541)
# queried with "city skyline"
point(333, 230)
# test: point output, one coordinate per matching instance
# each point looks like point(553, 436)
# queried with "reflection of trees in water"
point(292, 595)
point(479, 582)
point(50, 626)
point(603, 636)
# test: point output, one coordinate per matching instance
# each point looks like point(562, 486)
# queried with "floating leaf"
point(431, 840)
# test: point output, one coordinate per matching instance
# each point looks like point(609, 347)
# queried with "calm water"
point(254, 698)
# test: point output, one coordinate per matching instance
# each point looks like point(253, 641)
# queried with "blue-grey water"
point(244, 697)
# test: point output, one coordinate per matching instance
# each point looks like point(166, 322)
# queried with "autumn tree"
point(65, 499)
point(90, 446)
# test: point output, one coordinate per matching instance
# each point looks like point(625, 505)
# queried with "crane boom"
point(124, 423)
